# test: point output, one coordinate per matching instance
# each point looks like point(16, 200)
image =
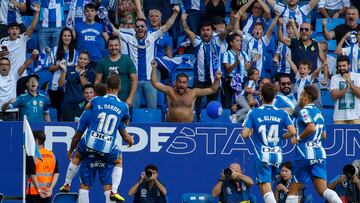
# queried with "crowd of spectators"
point(82, 42)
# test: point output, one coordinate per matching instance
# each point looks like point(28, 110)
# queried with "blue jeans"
point(49, 37)
point(148, 92)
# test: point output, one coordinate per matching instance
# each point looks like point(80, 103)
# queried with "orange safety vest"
point(44, 171)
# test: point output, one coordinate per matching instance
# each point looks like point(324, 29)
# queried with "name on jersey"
point(101, 136)
point(110, 107)
point(90, 30)
point(270, 118)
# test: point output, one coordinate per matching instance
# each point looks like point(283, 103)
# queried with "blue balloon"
point(214, 109)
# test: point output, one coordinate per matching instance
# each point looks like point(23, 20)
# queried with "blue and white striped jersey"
point(9, 15)
point(250, 21)
point(311, 146)
point(141, 51)
point(284, 66)
point(230, 58)
point(354, 55)
point(106, 117)
point(298, 14)
point(256, 46)
point(48, 58)
point(285, 101)
point(52, 13)
point(268, 123)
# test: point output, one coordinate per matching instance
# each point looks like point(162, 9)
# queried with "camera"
point(227, 173)
point(148, 174)
point(349, 171)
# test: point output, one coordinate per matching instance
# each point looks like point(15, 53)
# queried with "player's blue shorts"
point(107, 157)
point(305, 169)
point(264, 173)
point(92, 165)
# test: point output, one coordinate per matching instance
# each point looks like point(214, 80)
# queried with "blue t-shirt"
point(73, 87)
point(104, 120)
point(311, 146)
point(268, 123)
point(90, 38)
point(34, 107)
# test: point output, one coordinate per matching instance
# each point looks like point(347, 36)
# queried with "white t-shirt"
point(8, 87)
point(334, 4)
point(17, 51)
point(348, 106)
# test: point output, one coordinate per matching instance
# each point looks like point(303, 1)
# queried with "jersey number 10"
point(106, 123)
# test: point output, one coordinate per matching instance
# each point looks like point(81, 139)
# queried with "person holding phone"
point(345, 90)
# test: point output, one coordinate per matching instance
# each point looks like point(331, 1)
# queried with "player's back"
point(107, 115)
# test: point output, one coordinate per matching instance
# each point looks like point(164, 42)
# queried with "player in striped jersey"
point(266, 124)
point(310, 155)
point(107, 115)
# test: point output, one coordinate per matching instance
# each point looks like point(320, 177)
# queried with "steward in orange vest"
point(43, 174)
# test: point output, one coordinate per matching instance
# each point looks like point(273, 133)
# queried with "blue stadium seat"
point(331, 24)
point(224, 118)
point(146, 115)
point(70, 197)
point(328, 116)
point(197, 198)
point(327, 100)
point(53, 114)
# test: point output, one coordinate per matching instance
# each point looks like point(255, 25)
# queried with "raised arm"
point(26, 64)
point(242, 11)
point(282, 38)
point(272, 3)
point(313, 3)
point(328, 35)
point(186, 28)
point(139, 11)
point(325, 65)
point(292, 64)
point(339, 47)
point(271, 27)
point(154, 81)
point(171, 20)
point(34, 21)
point(267, 12)
point(210, 90)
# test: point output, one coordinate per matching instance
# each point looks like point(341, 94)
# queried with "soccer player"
point(266, 124)
point(107, 115)
point(310, 155)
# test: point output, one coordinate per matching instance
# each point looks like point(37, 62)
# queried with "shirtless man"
point(181, 99)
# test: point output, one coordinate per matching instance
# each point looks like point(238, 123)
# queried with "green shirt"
point(124, 67)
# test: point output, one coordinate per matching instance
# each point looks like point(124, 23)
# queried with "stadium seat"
point(331, 24)
point(327, 100)
point(146, 115)
point(70, 197)
point(328, 116)
point(53, 114)
point(197, 198)
point(224, 118)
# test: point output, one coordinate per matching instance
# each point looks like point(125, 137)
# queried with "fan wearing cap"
point(32, 104)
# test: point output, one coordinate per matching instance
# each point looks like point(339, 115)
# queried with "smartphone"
point(4, 48)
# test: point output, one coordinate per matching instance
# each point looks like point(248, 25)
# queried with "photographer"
point(347, 185)
point(233, 185)
point(148, 189)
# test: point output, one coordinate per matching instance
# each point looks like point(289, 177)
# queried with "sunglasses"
point(285, 83)
point(140, 26)
point(306, 29)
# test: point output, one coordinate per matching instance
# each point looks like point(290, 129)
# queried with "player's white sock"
point(292, 199)
point(269, 197)
point(83, 196)
point(107, 197)
point(71, 173)
point(116, 178)
point(331, 196)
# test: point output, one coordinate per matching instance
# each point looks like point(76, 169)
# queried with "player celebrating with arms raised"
point(267, 123)
point(310, 155)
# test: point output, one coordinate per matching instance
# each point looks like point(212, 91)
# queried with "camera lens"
point(148, 174)
point(227, 172)
point(349, 171)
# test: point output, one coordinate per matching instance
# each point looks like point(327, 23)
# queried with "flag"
point(170, 64)
point(30, 145)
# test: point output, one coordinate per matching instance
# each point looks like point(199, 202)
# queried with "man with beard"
point(306, 48)
point(345, 90)
point(293, 11)
point(285, 99)
point(180, 98)
point(122, 65)
point(141, 48)
point(351, 25)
